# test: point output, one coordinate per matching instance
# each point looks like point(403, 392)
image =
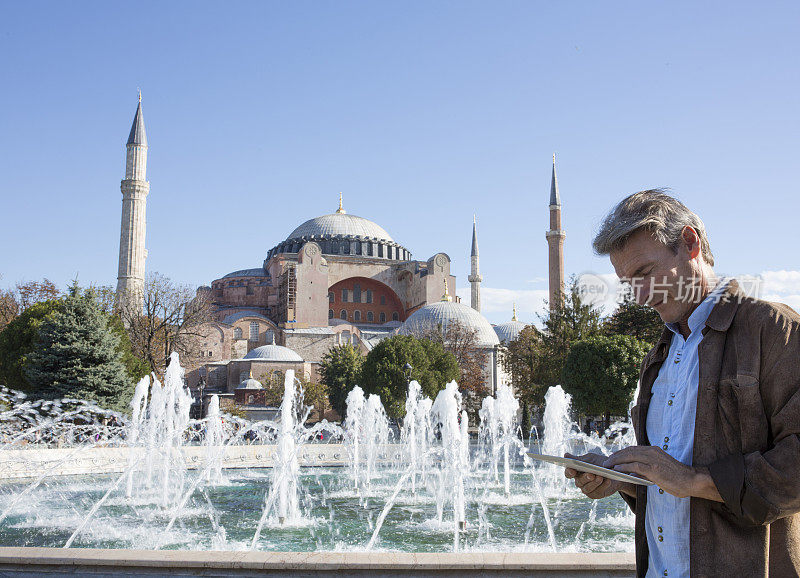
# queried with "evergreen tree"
point(341, 372)
point(525, 425)
point(601, 374)
point(17, 341)
point(76, 355)
point(521, 358)
point(568, 322)
point(384, 370)
point(639, 321)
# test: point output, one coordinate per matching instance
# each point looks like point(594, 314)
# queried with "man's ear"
point(691, 240)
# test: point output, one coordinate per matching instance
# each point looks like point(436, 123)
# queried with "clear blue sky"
point(259, 113)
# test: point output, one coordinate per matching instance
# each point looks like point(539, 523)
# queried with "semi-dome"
point(273, 352)
point(442, 313)
point(509, 331)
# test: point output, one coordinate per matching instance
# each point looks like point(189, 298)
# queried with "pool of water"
point(225, 515)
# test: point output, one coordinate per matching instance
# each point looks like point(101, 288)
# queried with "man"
point(717, 419)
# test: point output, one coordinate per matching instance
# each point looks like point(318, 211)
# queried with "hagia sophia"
point(335, 279)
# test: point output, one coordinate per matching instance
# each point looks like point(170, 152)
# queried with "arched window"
point(343, 314)
point(369, 295)
point(370, 316)
point(330, 313)
point(251, 399)
point(254, 331)
point(395, 316)
point(356, 293)
point(237, 332)
point(331, 297)
point(357, 316)
point(380, 250)
point(334, 247)
point(269, 336)
point(344, 295)
point(382, 317)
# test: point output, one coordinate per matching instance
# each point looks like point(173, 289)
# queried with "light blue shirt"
point(670, 425)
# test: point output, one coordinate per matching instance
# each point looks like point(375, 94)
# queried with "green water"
point(225, 516)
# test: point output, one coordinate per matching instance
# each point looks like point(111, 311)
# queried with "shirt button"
point(660, 530)
point(677, 361)
point(665, 573)
point(665, 446)
point(669, 402)
point(660, 491)
point(661, 538)
point(666, 439)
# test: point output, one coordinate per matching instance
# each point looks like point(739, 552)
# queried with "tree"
point(601, 373)
point(520, 358)
point(77, 355)
point(462, 341)
point(316, 394)
point(17, 341)
point(34, 292)
point(569, 321)
point(341, 371)
point(639, 321)
point(172, 319)
point(525, 425)
point(14, 302)
point(384, 371)
point(9, 308)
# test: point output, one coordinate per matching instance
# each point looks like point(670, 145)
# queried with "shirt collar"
point(699, 316)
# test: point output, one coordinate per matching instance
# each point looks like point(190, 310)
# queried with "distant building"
point(335, 279)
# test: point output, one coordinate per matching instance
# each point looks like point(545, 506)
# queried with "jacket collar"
point(719, 319)
point(722, 314)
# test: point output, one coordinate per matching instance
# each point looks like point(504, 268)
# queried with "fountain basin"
point(60, 562)
point(31, 463)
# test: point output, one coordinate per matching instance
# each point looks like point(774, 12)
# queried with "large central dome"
point(342, 234)
point(340, 224)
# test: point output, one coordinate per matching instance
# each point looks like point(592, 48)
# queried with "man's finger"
point(625, 455)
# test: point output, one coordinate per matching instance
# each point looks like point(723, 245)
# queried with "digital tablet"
point(590, 468)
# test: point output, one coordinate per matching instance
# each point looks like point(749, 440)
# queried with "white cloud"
point(530, 302)
point(781, 282)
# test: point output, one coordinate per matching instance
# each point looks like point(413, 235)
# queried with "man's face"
point(664, 279)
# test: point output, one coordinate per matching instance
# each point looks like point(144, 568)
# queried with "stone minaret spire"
point(132, 254)
point(475, 275)
point(555, 240)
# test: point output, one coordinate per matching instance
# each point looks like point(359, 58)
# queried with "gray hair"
point(654, 211)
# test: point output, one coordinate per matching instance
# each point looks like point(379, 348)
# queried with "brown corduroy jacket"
point(747, 432)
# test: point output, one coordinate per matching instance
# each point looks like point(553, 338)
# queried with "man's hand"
point(656, 465)
point(592, 485)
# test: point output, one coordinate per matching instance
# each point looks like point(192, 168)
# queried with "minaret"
point(555, 240)
point(475, 275)
point(134, 187)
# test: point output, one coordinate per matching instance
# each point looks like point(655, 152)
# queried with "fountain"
point(75, 475)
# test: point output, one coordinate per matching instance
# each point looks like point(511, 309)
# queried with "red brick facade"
point(360, 297)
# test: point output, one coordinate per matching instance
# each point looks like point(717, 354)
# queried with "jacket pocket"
point(740, 401)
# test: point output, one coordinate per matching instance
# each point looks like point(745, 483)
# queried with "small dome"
point(339, 224)
point(443, 312)
point(273, 353)
point(250, 383)
point(509, 331)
